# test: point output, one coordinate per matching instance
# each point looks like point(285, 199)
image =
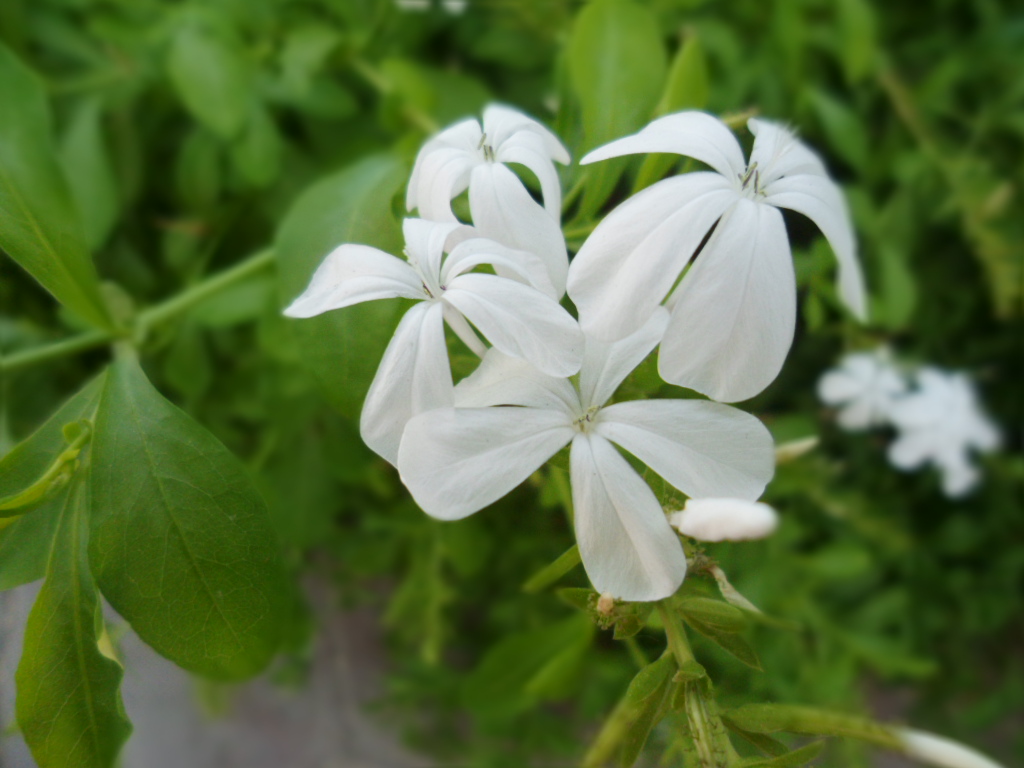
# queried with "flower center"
point(750, 181)
point(487, 149)
point(587, 420)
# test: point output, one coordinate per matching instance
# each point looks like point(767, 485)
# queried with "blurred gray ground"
point(322, 725)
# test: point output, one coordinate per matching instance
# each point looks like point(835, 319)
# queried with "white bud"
point(725, 519)
point(939, 751)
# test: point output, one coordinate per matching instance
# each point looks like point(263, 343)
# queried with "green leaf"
point(39, 224)
point(211, 75)
point(524, 666)
point(615, 49)
point(772, 718)
point(687, 88)
point(90, 172)
point(257, 153)
point(713, 613)
point(342, 348)
point(69, 703)
point(646, 705)
point(198, 171)
point(181, 542)
point(843, 127)
point(728, 641)
point(29, 460)
point(794, 759)
point(859, 46)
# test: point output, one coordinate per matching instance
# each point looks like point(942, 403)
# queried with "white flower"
point(724, 520)
point(734, 312)
point(456, 461)
point(465, 155)
point(940, 751)
point(941, 423)
point(414, 375)
point(865, 385)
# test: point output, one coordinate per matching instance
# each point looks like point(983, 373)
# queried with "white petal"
point(463, 137)
point(607, 364)
point(627, 546)
point(940, 751)
point(633, 258)
point(443, 175)
point(520, 321)
point(504, 380)
point(725, 520)
point(425, 244)
point(819, 199)
point(528, 149)
point(351, 274)
point(414, 376)
point(694, 134)
point(518, 265)
point(735, 311)
point(912, 449)
point(958, 478)
point(837, 387)
point(857, 415)
point(778, 153)
point(456, 461)
point(502, 123)
point(504, 211)
point(703, 449)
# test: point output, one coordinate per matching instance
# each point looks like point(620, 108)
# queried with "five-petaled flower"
point(466, 155)
point(865, 387)
point(511, 418)
point(734, 312)
point(519, 317)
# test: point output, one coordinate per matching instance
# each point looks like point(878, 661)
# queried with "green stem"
point(552, 572)
point(58, 349)
point(162, 312)
point(191, 296)
point(675, 632)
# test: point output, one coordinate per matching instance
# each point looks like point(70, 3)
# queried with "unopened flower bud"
point(940, 751)
point(724, 520)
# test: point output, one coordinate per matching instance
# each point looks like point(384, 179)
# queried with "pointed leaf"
point(342, 348)
point(181, 542)
point(615, 48)
point(69, 702)
point(729, 642)
point(39, 224)
point(794, 759)
point(646, 701)
point(90, 173)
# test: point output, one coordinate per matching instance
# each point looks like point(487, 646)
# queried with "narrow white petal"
point(735, 311)
point(520, 321)
point(778, 153)
point(607, 364)
point(528, 149)
point(857, 415)
point(694, 134)
point(456, 461)
point(836, 387)
point(351, 274)
point(912, 449)
point(819, 199)
point(443, 175)
point(425, 244)
point(504, 380)
point(414, 376)
point(627, 546)
point(633, 258)
point(504, 211)
point(518, 265)
point(725, 520)
point(463, 136)
point(940, 751)
point(502, 123)
point(703, 449)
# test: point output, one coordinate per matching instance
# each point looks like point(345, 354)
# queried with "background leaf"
point(342, 348)
point(69, 702)
point(90, 174)
point(181, 543)
point(39, 224)
point(615, 48)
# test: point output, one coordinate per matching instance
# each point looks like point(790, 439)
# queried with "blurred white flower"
point(413, 5)
point(734, 312)
point(725, 519)
point(456, 461)
point(864, 388)
point(941, 423)
point(940, 751)
point(414, 375)
point(466, 155)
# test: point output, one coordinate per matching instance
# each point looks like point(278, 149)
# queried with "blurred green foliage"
point(194, 134)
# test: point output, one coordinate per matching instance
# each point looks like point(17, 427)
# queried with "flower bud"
point(724, 519)
point(940, 751)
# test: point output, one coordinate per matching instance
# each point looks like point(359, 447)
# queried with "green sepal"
point(794, 759)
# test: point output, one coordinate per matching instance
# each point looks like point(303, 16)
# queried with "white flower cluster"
point(939, 421)
point(545, 381)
